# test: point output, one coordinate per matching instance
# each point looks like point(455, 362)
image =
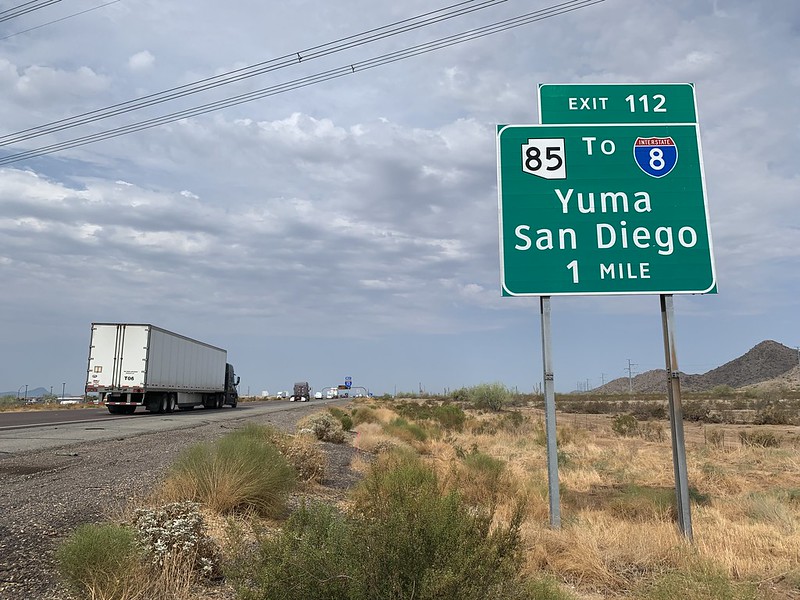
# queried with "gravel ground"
point(45, 495)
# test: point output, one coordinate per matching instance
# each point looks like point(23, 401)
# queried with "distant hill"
point(32, 393)
point(764, 362)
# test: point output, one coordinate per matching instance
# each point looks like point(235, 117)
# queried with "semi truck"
point(302, 392)
point(134, 364)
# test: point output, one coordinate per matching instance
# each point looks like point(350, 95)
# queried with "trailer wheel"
point(220, 401)
point(115, 410)
point(172, 403)
point(128, 410)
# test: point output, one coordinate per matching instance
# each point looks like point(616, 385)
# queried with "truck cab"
point(301, 392)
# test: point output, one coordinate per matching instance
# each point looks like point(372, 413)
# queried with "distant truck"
point(301, 392)
point(132, 364)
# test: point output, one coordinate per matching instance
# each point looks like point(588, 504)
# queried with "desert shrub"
point(759, 437)
point(543, 589)
point(95, 561)
point(176, 532)
point(240, 471)
point(450, 416)
point(404, 538)
point(324, 426)
point(625, 425)
point(775, 413)
point(648, 410)
point(408, 432)
point(489, 396)
point(432, 544)
point(9, 402)
point(698, 410)
point(701, 580)
point(309, 460)
point(345, 419)
point(301, 451)
point(310, 558)
point(480, 479)
point(642, 503)
point(722, 391)
point(512, 421)
point(364, 414)
point(652, 432)
point(415, 410)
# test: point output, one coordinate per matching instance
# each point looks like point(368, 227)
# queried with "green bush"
point(310, 558)
point(723, 391)
point(450, 416)
point(489, 396)
point(700, 581)
point(409, 432)
point(625, 425)
point(94, 561)
point(403, 539)
point(345, 419)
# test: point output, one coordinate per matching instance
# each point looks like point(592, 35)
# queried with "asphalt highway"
point(27, 431)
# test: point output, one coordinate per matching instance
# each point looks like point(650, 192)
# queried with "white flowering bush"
point(176, 532)
point(324, 426)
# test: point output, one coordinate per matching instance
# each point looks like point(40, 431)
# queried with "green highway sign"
point(603, 209)
point(616, 103)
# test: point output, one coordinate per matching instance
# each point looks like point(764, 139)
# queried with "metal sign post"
point(676, 418)
point(550, 415)
point(607, 196)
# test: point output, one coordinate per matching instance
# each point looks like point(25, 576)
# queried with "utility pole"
point(630, 375)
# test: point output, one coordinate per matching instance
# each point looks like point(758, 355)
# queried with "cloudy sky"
point(349, 227)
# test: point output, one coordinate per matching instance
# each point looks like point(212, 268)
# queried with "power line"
point(59, 20)
point(261, 68)
point(328, 75)
point(24, 9)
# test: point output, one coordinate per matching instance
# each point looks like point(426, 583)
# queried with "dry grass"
point(618, 533)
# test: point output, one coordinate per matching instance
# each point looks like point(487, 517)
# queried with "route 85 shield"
point(656, 156)
point(545, 158)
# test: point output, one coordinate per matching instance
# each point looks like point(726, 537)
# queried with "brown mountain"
point(766, 361)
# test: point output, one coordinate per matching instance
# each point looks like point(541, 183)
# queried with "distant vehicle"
point(69, 401)
point(280, 395)
point(301, 392)
point(330, 394)
point(134, 365)
point(317, 395)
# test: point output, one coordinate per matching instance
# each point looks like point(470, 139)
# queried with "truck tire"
point(172, 403)
point(128, 410)
point(115, 410)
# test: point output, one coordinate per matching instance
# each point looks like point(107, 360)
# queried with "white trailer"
point(132, 364)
